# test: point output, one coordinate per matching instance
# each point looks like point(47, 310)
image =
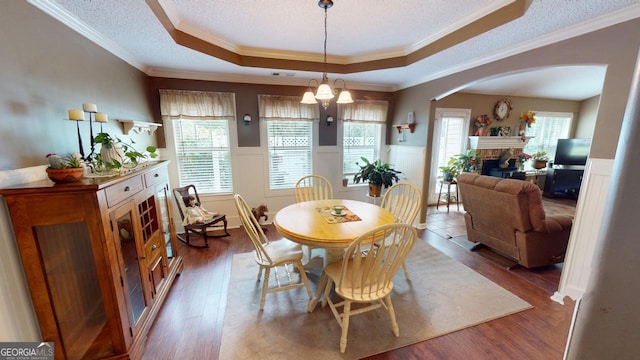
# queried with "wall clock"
point(502, 110)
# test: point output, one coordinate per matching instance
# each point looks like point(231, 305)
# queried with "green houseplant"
point(540, 159)
point(459, 163)
point(117, 154)
point(450, 171)
point(67, 169)
point(377, 173)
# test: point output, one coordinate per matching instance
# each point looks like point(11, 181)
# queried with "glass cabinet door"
point(131, 259)
point(74, 288)
point(162, 194)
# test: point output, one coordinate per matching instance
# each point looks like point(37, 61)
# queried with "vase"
point(65, 175)
point(112, 156)
point(479, 132)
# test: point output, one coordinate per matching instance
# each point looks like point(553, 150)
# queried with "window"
point(289, 126)
point(548, 128)
point(362, 129)
point(200, 122)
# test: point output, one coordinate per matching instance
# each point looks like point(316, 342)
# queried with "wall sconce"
point(246, 118)
point(329, 120)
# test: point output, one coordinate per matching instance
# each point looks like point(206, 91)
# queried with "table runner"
point(325, 211)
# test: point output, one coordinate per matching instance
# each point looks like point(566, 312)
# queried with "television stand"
point(563, 182)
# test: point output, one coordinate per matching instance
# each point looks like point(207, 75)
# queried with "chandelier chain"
point(325, 40)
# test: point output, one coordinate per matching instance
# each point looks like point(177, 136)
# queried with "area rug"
point(443, 296)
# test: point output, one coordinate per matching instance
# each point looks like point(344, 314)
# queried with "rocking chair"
point(198, 228)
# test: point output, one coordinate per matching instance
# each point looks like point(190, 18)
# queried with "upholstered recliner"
point(507, 216)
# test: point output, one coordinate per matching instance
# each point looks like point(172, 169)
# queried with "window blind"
point(289, 138)
point(548, 128)
point(200, 122)
point(363, 124)
point(204, 156)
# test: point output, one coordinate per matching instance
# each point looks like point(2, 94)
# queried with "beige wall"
point(588, 114)
point(483, 104)
point(47, 69)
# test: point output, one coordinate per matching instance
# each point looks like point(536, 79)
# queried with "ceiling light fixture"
point(325, 93)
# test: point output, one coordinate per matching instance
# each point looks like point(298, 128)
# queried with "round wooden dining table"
point(311, 223)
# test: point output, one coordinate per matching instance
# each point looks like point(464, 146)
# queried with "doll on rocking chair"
point(194, 213)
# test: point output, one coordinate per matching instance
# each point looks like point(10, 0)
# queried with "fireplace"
point(489, 149)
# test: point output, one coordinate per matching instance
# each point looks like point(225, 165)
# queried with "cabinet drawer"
point(156, 176)
point(122, 190)
point(153, 249)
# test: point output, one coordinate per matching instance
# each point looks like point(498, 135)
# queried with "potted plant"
point(378, 174)
point(116, 154)
point(450, 171)
point(522, 158)
point(467, 161)
point(64, 170)
point(540, 159)
point(458, 163)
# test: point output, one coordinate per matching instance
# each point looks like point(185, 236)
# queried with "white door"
point(451, 134)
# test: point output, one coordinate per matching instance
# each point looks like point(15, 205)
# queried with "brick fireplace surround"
point(490, 147)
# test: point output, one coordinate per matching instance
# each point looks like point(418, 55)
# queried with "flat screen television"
point(572, 151)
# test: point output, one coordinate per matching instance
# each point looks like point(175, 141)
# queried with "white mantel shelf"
point(497, 142)
point(138, 126)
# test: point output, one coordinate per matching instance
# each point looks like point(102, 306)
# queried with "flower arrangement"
point(482, 121)
point(523, 157)
point(73, 160)
point(528, 118)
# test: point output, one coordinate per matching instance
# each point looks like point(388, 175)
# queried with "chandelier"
point(325, 93)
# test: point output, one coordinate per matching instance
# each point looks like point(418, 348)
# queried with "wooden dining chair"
point(403, 201)
point(313, 187)
point(365, 278)
point(207, 229)
point(271, 254)
point(309, 188)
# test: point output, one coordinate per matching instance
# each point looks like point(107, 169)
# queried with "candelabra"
point(77, 115)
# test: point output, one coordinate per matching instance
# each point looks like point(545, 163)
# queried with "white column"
point(607, 322)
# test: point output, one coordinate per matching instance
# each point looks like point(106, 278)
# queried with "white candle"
point(88, 107)
point(102, 117)
point(76, 114)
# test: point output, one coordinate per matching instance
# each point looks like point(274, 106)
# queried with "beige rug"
point(444, 296)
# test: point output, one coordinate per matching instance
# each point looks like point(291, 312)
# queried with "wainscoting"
point(585, 233)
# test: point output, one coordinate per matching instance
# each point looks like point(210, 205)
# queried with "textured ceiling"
point(358, 30)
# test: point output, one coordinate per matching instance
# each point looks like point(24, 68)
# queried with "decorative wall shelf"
point(410, 127)
point(497, 142)
point(138, 126)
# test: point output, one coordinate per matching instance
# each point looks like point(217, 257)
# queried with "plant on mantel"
point(116, 154)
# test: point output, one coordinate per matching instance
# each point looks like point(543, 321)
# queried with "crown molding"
point(253, 79)
point(54, 10)
point(586, 27)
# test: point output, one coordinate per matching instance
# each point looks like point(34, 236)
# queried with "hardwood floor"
point(189, 325)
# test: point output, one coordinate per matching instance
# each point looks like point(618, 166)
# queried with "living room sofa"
point(507, 216)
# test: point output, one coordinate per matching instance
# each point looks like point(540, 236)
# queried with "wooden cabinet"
point(100, 256)
point(563, 182)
